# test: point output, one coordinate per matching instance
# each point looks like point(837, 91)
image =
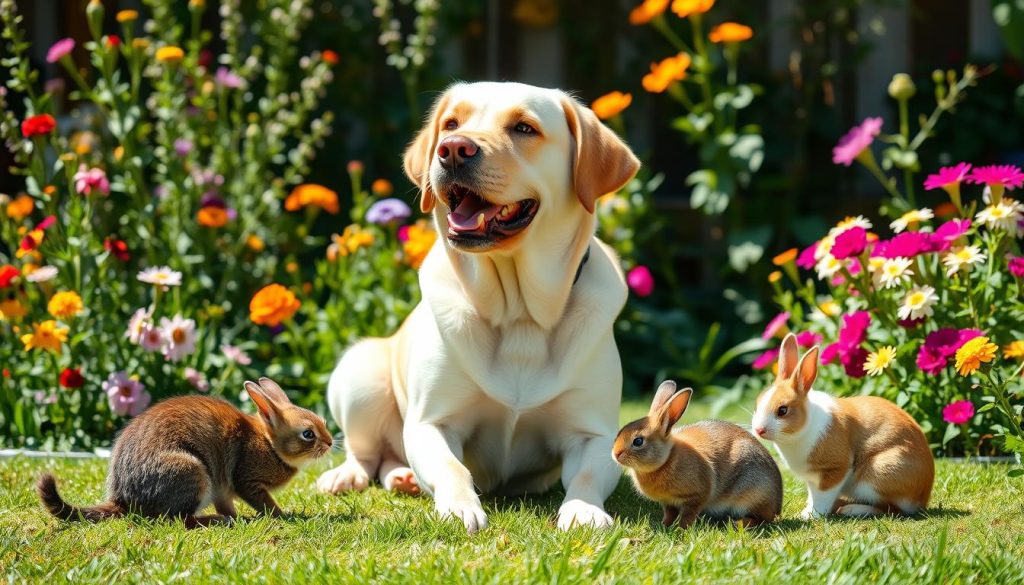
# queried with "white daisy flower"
point(964, 256)
point(1003, 215)
point(828, 266)
point(137, 325)
point(851, 222)
point(894, 271)
point(42, 274)
point(180, 337)
point(160, 275)
point(918, 303)
point(912, 217)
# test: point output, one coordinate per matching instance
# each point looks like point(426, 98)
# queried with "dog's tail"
point(47, 489)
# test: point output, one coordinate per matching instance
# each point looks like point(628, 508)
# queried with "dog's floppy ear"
point(419, 154)
point(602, 163)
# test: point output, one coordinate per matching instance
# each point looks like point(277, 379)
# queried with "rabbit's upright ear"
point(274, 391)
point(807, 371)
point(267, 407)
point(665, 391)
point(788, 355)
point(674, 409)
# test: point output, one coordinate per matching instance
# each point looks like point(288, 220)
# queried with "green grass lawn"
point(971, 534)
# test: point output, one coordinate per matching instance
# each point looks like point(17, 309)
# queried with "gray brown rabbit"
point(185, 453)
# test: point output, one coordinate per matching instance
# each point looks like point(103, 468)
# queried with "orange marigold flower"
point(382, 187)
point(126, 15)
point(20, 208)
point(611, 104)
point(972, 354)
point(785, 257)
point(212, 216)
point(272, 305)
point(647, 11)
point(684, 8)
point(255, 243)
point(420, 237)
point(774, 277)
point(730, 32)
point(12, 310)
point(169, 54)
point(330, 57)
point(65, 304)
point(1014, 349)
point(46, 335)
point(312, 194)
point(667, 71)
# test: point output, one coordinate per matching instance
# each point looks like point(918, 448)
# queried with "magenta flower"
point(808, 339)
point(59, 50)
point(941, 345)
point(766, 359)
point(183, 146)
point(641, 281)
point(225, 78)
point(125, 395)
point(856, 141)
point(959, 412)
point(853, 362)
point(850, 243)
point(806, 259)
point(91, 181)
point(847, 349)
point(388, 211)
point(1016, 266)
point(948, 233)
point(403, 234)
point(947, 177)
point(1009, 176)
point(775, 325)
point(904, 245)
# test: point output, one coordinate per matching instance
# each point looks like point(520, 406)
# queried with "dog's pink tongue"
point(472, 214)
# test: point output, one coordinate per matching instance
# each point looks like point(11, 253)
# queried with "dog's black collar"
point(583, 261)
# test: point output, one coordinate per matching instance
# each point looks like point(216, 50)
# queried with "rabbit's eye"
point(308, 435)
point(638, 442)
point(782, 411)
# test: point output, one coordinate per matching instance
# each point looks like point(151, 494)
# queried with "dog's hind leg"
point(362, 402)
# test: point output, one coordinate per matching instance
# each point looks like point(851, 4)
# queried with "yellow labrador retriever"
point(506, 376)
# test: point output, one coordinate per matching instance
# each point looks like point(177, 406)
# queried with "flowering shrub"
point(931, 316)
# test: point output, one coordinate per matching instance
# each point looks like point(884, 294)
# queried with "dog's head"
point(502, 157)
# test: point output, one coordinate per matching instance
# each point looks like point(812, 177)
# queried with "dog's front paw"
point(346, 477)
point(810, 513)
point(466, 508)
point(580, 513)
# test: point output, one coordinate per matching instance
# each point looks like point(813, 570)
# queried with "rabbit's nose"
point(760, 431)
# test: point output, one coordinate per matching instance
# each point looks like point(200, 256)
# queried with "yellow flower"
point(140, 44)
point(972, 354)
point(1014, 349)
point(774, 277)
point(785, 257)
point(879, 360)
point(118, 153)
point(169, 54)
point(20, 208)
point(381, 187)
point(647, 11)
point(353, 238)
point(311, 194)
point(272, 305)
point(666, 72)
point(420, 238)
point(65, 304)
point(47, 335)
point(611, 104)
point(684, 8)
point(127, 15)
point(730, 32)
point(254, 243)
point(12, 310)
point(830, 308)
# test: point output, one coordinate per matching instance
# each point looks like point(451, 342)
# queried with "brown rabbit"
point(711, 467)
point(185, 453)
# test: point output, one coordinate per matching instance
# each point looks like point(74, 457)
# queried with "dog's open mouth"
point(474, 220)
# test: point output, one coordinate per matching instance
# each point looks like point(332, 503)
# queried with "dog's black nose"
point(455, 151)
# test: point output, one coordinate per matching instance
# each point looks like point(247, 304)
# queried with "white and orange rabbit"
point(860, 456)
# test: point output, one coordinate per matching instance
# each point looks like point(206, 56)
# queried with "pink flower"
point(958, 412)
point(766, 359)
point(403, 234)
point(197, 379)
point(806, 259)
point(850, 243)
point(905, 245)
point(90, 181)
point(940, 345)
point(1016, 266)
point(855, 327)
point(235, 354)
point(847, 349)
point(641, 281)
point(59, 49)
point(775, 325)
point(1009, 176)
point(948, 233)
point(856, 141)
point(126, 396)
point(853, 362)
point(808, 339)
point(947, 177)
point(151, 338)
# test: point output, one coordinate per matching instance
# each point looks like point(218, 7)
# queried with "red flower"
point(38, 125)
point(72, 378)
point(118, 248)
point(7, 274)
point(330, 57)
point(7, 373)
point(113, 41)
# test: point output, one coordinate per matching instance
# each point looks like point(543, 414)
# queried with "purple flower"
point(856, 141)
point(183, 146)
point(387, 211)
point(126, 396)
point(1016, 266)
point(806, 259)
point(850, 243)
point(226, 78)
point(775, 325)
point(59, 50)
point(641, 281)
point(948, 233)
point(766, 359)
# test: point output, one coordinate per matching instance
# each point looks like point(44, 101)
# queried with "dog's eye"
point(451, 124)
point(308, 435)
point(638, 442)
point(524, 128)
point(782, 411)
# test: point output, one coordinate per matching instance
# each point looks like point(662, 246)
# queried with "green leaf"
point(1015, 472)
point(748, 150)
point(952, 432)
point(1014, 443)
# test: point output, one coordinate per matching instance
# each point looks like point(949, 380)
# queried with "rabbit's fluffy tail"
point(47, 489)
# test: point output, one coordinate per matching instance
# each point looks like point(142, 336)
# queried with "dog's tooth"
point(480, 221)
